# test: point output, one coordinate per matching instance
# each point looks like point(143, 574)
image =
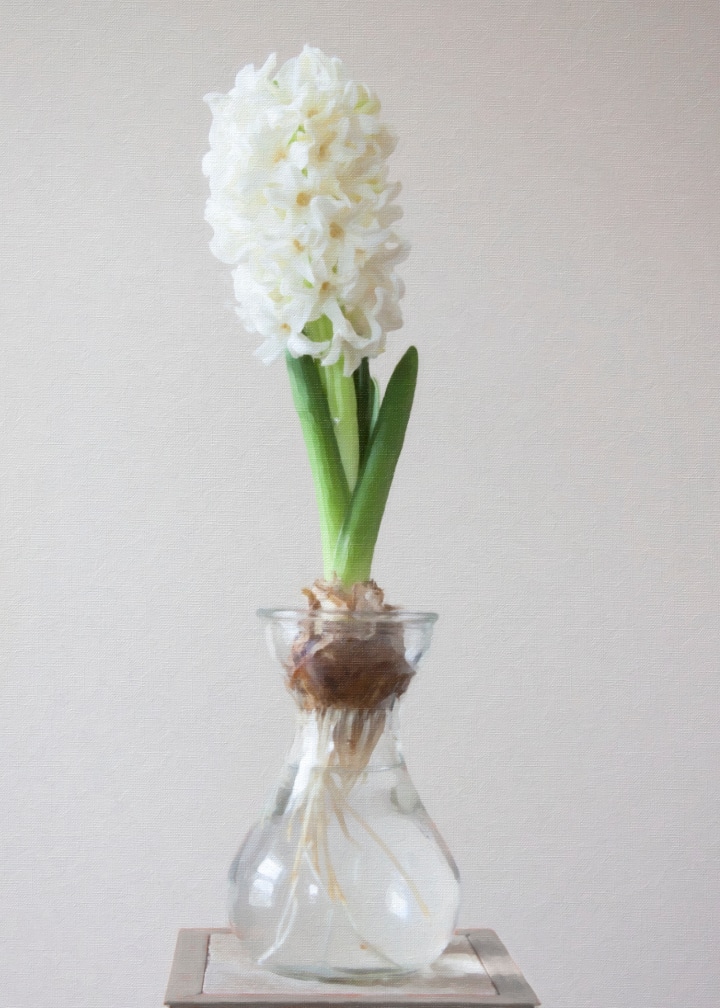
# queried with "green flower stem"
point(356, 543)
point(340, 392)
point(343, 410)
point(331, 487)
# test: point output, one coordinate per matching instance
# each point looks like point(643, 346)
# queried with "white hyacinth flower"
point(301, 208)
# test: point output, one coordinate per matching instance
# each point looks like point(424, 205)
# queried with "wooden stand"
point(212, 970)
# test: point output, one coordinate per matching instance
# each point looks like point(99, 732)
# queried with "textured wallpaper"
point(557, 501)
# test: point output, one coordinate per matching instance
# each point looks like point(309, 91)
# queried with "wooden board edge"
point(284, 1001)
point(512, 987)
point(188, 969)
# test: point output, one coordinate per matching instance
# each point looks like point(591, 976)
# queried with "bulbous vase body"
point(345, 876)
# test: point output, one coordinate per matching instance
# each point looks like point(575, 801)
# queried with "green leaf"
point(364, 396)
point(331, 488)
point(356, 544)
point(376, 400)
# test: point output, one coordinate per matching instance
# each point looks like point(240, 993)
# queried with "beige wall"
point(557, 500)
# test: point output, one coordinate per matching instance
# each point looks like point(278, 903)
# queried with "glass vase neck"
point(347, 660)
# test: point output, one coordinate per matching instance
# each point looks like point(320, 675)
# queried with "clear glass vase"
point(345, 875)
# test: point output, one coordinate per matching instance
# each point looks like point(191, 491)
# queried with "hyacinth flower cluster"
point(302, 210)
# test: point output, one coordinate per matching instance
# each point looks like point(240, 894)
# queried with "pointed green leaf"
point(353, 556)
point(331, 489)
point(364, 396)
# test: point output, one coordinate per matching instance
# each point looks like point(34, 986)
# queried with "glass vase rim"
point(401, 617)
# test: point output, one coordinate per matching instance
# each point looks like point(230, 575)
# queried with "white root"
point(343, 744)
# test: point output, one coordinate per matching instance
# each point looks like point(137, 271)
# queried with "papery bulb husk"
point(351, 664)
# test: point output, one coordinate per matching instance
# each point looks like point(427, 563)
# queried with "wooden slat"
point(188, 968)
point(512, 987)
